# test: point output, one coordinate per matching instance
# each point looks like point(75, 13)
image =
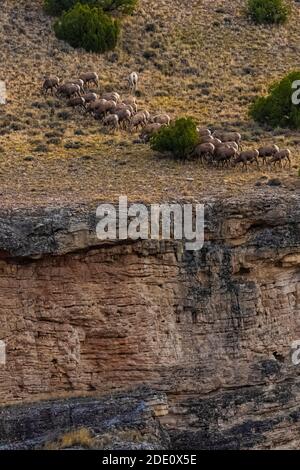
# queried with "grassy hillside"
point(196, 57)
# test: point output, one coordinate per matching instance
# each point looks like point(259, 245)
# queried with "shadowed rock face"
point(213, 329)
point(110, 419)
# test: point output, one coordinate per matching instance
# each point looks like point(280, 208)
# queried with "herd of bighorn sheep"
point(109, 108)
point(217, 148)
point(225, 148)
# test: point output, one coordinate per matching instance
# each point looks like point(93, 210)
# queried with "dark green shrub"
point(268, 11)
point(56, 7)
point(180, 138)
point(277, 108)
point(89, 28)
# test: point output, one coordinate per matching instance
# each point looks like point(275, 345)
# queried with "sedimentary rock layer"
point(213, 329)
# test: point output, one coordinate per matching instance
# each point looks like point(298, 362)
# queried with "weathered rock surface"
point(131, 416)
point(213, 329)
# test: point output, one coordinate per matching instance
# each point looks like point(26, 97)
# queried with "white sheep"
point(133, 82)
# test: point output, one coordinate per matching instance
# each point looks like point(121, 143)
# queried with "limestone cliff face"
point(213, 329)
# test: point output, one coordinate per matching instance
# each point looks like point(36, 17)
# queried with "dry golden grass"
point(197, 57)
point(79, 437)
point(84, 438)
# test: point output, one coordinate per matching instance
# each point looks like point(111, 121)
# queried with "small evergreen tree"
point(180, 138)
point(268, 11)
point(277, 108)
point(57, 7)
point(89, 28)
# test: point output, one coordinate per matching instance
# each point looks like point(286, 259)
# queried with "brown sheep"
point(120, 106)
point(78, 82)
point(90, 77)
point(69, 90)
point(210, 140)
point(149, 130)
point(77, 101)
point(124, 116)
point(218, 134)
point(163, 119)
point(93, 105)
point(231, 144)
point(203, 132)
point(268, 151)
point(102, 107)
point(132, 102)
point(147, 115)
point(232, 137)
point(204, 150)
point(111, 96)
point(246, 156)
point(280, 156)
point(228, 136)
point(137, 120)
point(112, 120)
point(88, 97)
point(111, 106)
point(223, 155)
point(51, 83)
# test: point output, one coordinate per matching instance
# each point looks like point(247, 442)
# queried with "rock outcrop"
point(212, 329)
point(120, 421)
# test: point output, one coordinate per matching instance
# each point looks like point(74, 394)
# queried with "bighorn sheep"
point(246, 156)
point(77, 101)
point(90, 77)
point(111, 106)
point(68, 90)
point(203, 132)
point(268, 151)
point(163, 119)
point(233, 145)
point(101, 107)
point(210, 140)
point(133, 82)
point(228, 136)
point(112, 120)
point(124, 116)
point(204, 150)
point(88, 97)
point(93, 105)
point(280, 156)
point(78, 82)
point(224, 155)
point(131, 101)
point(51, 83)
point(112, 96)
point(137, 120)
point(149, 130)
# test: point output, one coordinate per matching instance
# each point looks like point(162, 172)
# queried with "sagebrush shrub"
point(268, 11)
point(56, 7)
point(89, 28)
point(277, 108)
point(180, 138)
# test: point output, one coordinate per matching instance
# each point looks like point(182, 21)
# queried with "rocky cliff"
point(212, 329)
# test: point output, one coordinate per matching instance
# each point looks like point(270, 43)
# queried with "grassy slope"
point(206, 60)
